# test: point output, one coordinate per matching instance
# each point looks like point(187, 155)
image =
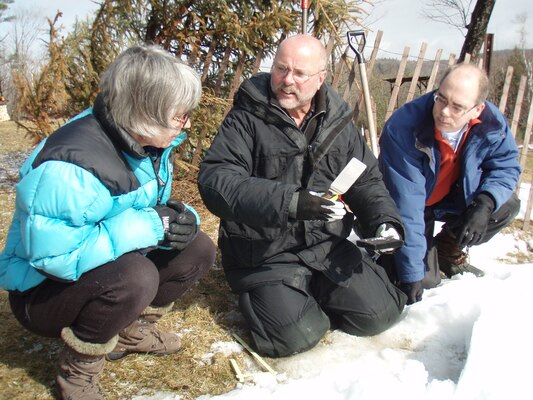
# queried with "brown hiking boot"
point(79, 368)
point(141, 336)
point(459, 266)
point(452, 259)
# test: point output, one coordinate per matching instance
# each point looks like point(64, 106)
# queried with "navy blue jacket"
point(410, 160)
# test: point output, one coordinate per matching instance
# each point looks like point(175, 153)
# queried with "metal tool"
point(347, 177)
point(357, 41)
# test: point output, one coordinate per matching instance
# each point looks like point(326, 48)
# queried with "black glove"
point(167, 215)
point(182, 228)
point(311, 207)
point(413, 290)
point(475, 221)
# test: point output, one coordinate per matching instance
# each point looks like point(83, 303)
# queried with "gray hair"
point(146, 86)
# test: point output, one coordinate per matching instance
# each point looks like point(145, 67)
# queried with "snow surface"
point(470, 338)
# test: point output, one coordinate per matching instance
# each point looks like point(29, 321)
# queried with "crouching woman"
point(98, 250)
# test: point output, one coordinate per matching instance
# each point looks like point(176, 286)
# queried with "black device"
point(380, 243)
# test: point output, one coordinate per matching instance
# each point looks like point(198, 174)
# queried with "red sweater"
point(449, 165)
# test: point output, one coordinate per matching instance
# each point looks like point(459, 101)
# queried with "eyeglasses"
point(455, 110)
point(298, 76)
point(182, 120)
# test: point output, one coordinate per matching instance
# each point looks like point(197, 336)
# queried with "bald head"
point(469, 74)
point(305, 47)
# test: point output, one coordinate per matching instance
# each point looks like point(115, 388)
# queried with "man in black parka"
point(284, 247)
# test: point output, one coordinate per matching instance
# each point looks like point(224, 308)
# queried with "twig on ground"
point(256, 356)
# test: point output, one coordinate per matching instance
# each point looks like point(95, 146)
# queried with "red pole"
point(305, 7)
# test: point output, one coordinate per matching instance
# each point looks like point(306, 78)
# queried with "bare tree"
point(26, 28)
point(457, 14)
point(521, 23)
point(4, 4)
point(19, 53)
point(449, 12)
point(477, 28)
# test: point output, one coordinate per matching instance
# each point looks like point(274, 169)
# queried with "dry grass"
point(204, 315)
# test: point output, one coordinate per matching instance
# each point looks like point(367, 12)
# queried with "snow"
point(469, 339)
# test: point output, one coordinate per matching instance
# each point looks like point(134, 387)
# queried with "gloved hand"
point(167, 215)
point(413, 290)
point(387, 230)
point(182, 228)
point(475, 220)
point(311, 207)
point(339, 211)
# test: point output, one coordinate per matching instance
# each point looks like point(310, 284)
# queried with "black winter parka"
point(256, 163)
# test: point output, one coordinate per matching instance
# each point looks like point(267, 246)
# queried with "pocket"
point(236, 251)
point(338, 260)
point(336, 161)
point(271, 167)
point(340, 228)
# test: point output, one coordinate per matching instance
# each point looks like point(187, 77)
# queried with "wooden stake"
point(257, 357)
point(238, 372)
point(506, 86)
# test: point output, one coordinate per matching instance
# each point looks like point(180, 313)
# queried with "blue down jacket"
point(410, 159)
point(85, 197)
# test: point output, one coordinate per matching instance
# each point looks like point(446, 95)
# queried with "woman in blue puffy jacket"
point(98, 251)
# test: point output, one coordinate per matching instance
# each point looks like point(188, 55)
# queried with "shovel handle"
point(356, 44)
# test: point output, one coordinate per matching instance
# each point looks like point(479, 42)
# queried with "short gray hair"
point(146, 86)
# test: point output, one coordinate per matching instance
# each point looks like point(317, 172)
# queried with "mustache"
point(287, 89)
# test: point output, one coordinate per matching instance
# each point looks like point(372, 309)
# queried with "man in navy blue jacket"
point(448, 156)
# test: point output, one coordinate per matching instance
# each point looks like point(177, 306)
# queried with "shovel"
point(356, 41)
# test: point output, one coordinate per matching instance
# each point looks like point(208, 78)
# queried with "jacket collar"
point(118, 135)
point(255, 96)
point(419, 114)
point(318, 106)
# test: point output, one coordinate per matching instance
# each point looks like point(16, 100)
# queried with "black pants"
point(108, 298)
point(285, 320)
